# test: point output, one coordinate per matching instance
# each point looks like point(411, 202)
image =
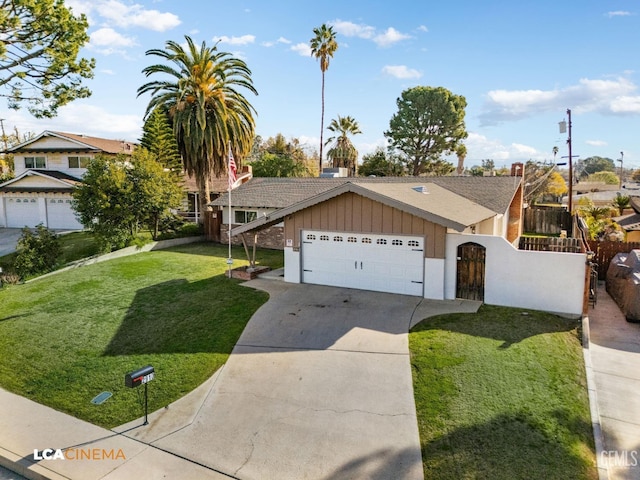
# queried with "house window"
point(311, 236)
point(352, 239)
point(79, 162)
point(381, 241)
point(245, 216)
point(413, 243)
point(396, 242)
point(337, 238)
point(324, 237)
point(35, 162)
point(366, 240)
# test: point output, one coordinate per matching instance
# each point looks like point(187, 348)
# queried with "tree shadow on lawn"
point(179, 316)
point(514, 447)
point(509, 325)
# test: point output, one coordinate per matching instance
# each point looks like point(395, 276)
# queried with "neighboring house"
point(47, 168)
point(433, 237)
point(631, 223)
point(217, 187)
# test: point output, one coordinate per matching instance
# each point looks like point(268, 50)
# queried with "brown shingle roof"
point(494, 193)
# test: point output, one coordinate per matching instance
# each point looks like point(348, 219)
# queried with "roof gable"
point(59, 141)
point(36, 180)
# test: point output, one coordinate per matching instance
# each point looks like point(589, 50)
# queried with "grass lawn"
point(501, 394)
point(68, 337)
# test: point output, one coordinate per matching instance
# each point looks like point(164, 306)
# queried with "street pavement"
point(613, 368)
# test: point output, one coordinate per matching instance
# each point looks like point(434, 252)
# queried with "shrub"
point(38, 251)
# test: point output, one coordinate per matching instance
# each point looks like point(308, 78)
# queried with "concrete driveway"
point(8, 240)
point(318, 387)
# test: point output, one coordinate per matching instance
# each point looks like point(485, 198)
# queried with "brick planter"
point(241, 273)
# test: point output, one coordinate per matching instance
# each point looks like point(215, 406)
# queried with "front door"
point(470, 271)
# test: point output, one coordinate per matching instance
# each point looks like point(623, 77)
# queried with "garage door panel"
point(385, 263)
point(22, 212)
point(61, 215)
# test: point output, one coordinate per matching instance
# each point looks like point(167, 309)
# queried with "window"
point(381, 241)
point(396, 242)
point(311, 236)
point(324, 237)
point(35, 162)
point(366, 240)
point(337, 238)
point(352, 239)
point(413, 243)
point(79, 162)
point(245, 216)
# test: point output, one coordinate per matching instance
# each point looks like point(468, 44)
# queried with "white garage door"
point(383, 263)
point(22, 212)
point(61, 215)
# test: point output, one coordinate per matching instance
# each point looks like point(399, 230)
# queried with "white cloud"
point(350, 29)
point(122, 15)
point(107, 37)
point(367, 32)
point(401, 71)
point(283, 40)
point(479, 147)
point(618, 13)
point(73, 118)
point(390, 37)
point(596, 143)
point(302, 49)
point(603, 96)
point(107, 71)
point(423, 28)
point(242, 40)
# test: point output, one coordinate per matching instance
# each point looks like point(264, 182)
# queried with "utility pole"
point(621, 170)
point(570, 164)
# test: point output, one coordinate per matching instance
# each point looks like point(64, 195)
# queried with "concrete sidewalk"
point(318, 386)
point(613, 366)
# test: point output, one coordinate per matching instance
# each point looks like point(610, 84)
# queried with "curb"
point(603, 470)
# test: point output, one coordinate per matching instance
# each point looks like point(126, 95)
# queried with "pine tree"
point(158, 139)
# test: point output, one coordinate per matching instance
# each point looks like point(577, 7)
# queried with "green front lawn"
point(501, 394)
point(68, 337)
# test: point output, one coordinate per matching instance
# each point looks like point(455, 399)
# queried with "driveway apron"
point(318, 386)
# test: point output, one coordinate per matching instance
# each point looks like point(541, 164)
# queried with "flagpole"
point(229, 259)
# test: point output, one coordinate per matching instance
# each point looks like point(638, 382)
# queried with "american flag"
point(232, 170)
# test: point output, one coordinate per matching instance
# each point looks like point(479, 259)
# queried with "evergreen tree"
point(158, 139)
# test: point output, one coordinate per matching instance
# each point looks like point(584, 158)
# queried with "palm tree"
point(343, 153)
point(323, 46)
point(461, 153)
point(208, 111)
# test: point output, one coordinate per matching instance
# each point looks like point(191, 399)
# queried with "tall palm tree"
point(323, 46)
point(208, 111)
point(343, 153)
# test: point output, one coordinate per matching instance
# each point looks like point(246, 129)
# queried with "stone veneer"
point(272, 237)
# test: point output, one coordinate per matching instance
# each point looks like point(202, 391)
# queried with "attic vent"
point(421, 189)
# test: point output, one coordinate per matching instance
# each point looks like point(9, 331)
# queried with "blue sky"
point(520, 65)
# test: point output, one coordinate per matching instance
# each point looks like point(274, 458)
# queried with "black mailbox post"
point(142, 376)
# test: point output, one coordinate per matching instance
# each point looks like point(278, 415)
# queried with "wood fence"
point(605, 251)
point(550, 244)
point(547, 220)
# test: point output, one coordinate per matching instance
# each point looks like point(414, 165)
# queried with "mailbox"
point(139, 377)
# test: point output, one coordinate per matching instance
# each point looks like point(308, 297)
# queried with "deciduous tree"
point(40, 41)
point(381, 163)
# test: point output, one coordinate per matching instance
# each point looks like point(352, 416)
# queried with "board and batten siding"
point(351, 212)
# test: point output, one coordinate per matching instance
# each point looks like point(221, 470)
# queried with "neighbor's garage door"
point(61, 215)
point(22, 212)
point(383, 263)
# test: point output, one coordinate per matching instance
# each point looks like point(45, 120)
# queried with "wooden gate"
point(470, 271)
